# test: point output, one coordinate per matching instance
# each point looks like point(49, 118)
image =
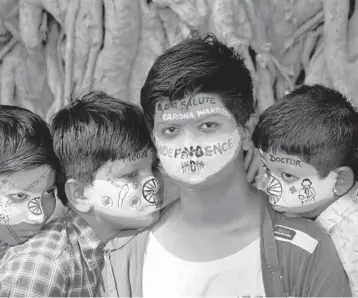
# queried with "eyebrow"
point(196, 119)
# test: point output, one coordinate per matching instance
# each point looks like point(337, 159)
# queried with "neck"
point(223, 202)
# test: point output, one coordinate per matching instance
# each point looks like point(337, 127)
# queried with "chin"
point(296, 211)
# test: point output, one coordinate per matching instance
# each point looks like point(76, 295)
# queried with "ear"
point(247, 131)
point(344, 181)
point(75, 192)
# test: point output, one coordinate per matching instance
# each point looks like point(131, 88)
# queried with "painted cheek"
point(263, 182)
point(274, 190)
point(36, 213)
point(149, 191)
point(123, 192)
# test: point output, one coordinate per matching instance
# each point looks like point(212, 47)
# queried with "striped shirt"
point(63, 260)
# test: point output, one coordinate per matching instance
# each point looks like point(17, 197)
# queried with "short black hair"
point(199, 64)
point(95, 129)
point(316, 123)
point(25, 141)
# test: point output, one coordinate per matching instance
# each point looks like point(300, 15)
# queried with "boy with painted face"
point(27, 176)
point(106, 155)
point(308, 144)
point(220, 238)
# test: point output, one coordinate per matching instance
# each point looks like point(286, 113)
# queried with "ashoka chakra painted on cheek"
point(274, 190)
point(35, 206)
point(150, 188)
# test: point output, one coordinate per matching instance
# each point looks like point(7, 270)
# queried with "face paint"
point(21, 205)
point(292, 185)
point(107, 201)
point(137, 185)
point(184, 105)
point(193, 160)
point(124, 199)
point(299, 196)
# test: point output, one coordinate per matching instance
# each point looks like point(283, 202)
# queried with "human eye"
point(170, 131)
point(131, 175)
point(19, 197)
point(50, 191)
point(209, 126)
point(288, 177)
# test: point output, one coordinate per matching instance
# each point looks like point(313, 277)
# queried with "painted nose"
point(189, 139)
point(150, 190)
point(36, 213)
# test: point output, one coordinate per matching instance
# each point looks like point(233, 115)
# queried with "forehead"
point(280, 161)
point(38, 178)
point(137, 160)
point(191, 107)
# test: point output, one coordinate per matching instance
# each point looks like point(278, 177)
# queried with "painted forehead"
point(280, 161)
point(132, 161)
point(190, 108)
point(35, 180)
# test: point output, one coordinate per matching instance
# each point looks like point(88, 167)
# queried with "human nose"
point(189, 137)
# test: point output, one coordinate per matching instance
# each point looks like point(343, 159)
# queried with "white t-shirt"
point(165, 275)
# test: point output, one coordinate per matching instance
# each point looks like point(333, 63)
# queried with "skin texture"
point(216, 217)
point(124, 195)
point(17, 190)
point(295, 187)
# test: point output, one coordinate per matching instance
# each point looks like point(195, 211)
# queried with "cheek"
point(48, 205)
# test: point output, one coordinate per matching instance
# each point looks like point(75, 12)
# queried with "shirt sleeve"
point(325, 276)
point(345, 239)
point(32, 276)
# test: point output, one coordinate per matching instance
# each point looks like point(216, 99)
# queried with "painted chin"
point(298, 210)
point(20, 233)
point(150, 209)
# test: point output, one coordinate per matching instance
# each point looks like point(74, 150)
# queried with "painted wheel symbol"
point(274, 190)
point(35, 206)
point(136, 185)
point(150, 188)
point(134, 202)
point(107, 201)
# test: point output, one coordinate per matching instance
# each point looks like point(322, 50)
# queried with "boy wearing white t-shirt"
point(220, 238)
point(308, 143)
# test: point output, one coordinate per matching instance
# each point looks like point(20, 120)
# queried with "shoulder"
point(51, 240)
point(44, 255)
point(310, 262)
point(45, 246)
point(299, 232)
point(32, 274)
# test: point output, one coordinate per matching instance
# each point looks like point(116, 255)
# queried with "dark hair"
point(25, 141)
point(95, 129)
point(315, 123)
point(199, 65)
